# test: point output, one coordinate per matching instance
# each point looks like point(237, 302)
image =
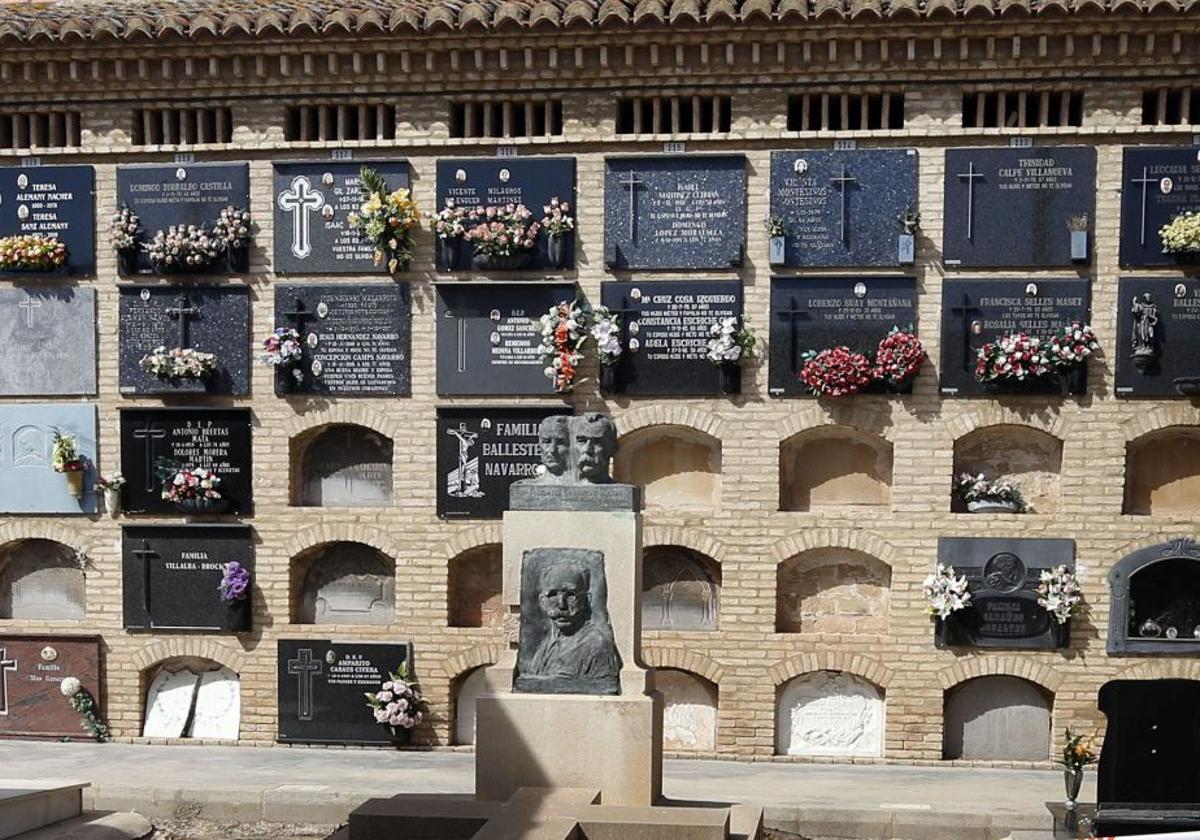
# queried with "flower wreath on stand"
point(564, 332)
point(842, 372)
point(1059, 593)
point(398, 704)
point(945, 592)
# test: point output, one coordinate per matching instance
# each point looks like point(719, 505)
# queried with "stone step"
point(25, 806)
point(95, 826)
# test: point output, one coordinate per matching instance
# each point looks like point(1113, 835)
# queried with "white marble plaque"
point(169, 704)
point(218, 706)
point(464, 706)
point(689, 711)
point(830, 713)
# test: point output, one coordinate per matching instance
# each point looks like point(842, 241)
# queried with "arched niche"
point(689, 710)
point(191, 697)
point(342, 465)
point(834, 466)
point(474, 588)
point(832, 590)
point(43, 580)
point(1162, 472)
point(681, 589)
point(1155, 600)
point(829, 713)
point(997, 718)
point(467, 688)
point(679, 467)
point(1027, 455)
point(344, 583)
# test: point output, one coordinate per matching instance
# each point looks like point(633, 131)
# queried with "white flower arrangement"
point(945, 592)
point(398, 704)
point(178, 363)
point(979, 488)
point(1059, 593)
point(731, 342)
point(184, 248)
point(70, 687)
point(606, 332)
point(1181, 234)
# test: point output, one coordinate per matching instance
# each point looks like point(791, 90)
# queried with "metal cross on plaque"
point(970, 176)
point(145, 554)
point(793, 314)
point(6, 665)
point(966, 310)
point(299, 201)
point(299, 315)
point(28, 305)
point(841, 181)
point(633, 184)
point(305, 668)
point(149, 433)
point(1144, 182)
point(183, 313)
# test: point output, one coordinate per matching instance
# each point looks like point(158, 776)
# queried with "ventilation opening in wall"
point(1171, 106)
point(845, 111)
point(674, 114)
point(158, 126)
point(343, 121)
point(507, 118)
point(1022, 109)
point(40, 129)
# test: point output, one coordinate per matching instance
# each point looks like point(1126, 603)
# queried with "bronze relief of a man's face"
point(564, 598)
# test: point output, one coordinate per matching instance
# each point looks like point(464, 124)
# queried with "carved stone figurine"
point(576, 450)
point(1144, 332)
point(554, 445)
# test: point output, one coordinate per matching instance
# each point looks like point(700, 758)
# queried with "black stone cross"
point(149, 433)
point(970, 175)
point(145, 554)
point(1144, 181)
point(842, 181)
point(6, 665)
point(793, 314)
point(300, 315)
point(965, 310)
point(632, 184)
point(305, 667)
point(183, 313)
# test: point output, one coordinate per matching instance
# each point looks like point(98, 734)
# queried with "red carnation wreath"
point(837, 372)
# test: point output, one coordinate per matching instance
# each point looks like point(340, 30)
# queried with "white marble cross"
point(298, 201)
point(29, 304)
point(305, 667)
point(6, 665)
point(1144, 182)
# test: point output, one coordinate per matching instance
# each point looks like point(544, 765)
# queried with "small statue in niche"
point(1144, 333)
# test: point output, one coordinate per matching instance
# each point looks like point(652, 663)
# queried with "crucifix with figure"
point(842, 181)
point(970, 176)
point(305, 668)
point(6, 665)
point(1144, 182)
point(183, 313)
point(300, 200)
point(149, 433)
point(793, 314)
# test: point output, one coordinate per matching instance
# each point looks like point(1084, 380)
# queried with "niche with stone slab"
point(342, 465)
point(466, 689)
point(1029, 456)
point(681, 589)
point(832, 590)
point(1162, 472)
point(474, 588)
point(679, 467)
point(1155, 603)
point(834, 466)
point(689, 710)
point(41, 580)
point(191, 697)
point(997, 718)
point(344, 583)
point(829, 713)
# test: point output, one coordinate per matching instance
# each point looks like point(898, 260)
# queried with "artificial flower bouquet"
point(81, 701)
point(65, 455)
point(178, 363)
point(189, 483)
point(980, 490)
point(235, 583)
point(184, 248)
point(731, 342)
point(398, 704)
point(1059, 593)
point(283, 351)
point(1181, 235)
point(840, 371)
point(564, 331)
point(508, 231)
point(945, 592)
point(32, 252)
point(386, 218)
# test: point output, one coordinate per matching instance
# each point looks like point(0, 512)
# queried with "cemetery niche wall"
point(49, 339)
point(29, 482)
point(833, 590)
point(1032, 458)
point(344, 583)
point(1157, 186)
point(997, 718)
point(1162, 472)
point(31, 668)
point(681, 589)
point(192, 697)
point(829, 713)
point(677, 467)
point(832, 466)
point(1158, 344)
point(42, 580)
point(343, 465)
point(689, 710)
point(50, 203)
point(1155, 600)
point(474, 588)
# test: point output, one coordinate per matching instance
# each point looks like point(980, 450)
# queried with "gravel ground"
point(205, 830)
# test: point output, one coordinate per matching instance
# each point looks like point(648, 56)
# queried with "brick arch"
point(692, 538)
point(984, 416)
point(683, 660)
point(339, 532)
point(671, 414)
point(203, 648)
point(862, 418)
point(1000, 664)
point(341, 413)
point(1161, 669)
point(485, 534)
point(867, 667)
point(855, 539)
point(470, 658)
point(1163, 417)
point(18, 530)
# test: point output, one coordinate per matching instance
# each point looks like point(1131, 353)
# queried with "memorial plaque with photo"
point(162, 195)
point(28, 482)
point(976, 311)
point(312, 201)
point(321, 688)
point(843, 208)
point(675, 212)
point(171, 575)
point(1019, 208)
point(203, 438)
point(1002, 577)
point(818, 313)
point(58, 201)
point(207, 319)
point(665, 333)
point(356, 338)
point(489, 338)
point(1157, 185)
point(31, 669)
point(480, 453)
point(1158, 337)
point(49, 338)
point(495, 182)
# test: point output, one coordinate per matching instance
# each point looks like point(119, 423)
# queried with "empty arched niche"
point(344, 583)
point(41, 579)
point(467, 689)
point(191, 697)
point(832, 590)
point(343, 465)
point(474, 587)
point(1029, 456)
point(679, 467)
point(997, 718)
point(834, 466)
point(829, 713)
point(681, 589)
point(689, 710)
point(1162, 471)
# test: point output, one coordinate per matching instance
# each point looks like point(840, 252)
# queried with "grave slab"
point(28, 482)
point(348, 583)
point(1157, 184)
point(218, 706)
point(169, 702)
point(1158, 337)
point(347, 466)
point(31, 668)
point(829, 713)
point(49, 339)
point(52, 201)
point(41, 580)
point(997, 718)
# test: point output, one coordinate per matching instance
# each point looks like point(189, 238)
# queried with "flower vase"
point(1186, 257)
point(238, 616)
point(75, 483)
point(731, 379)
point(906, 249)
point(1061, 633)
point(237, 260)
point(285, 380)
point(127, 261)
point(608, 379)
point(1144, 359)
point(201, 506)
point(401, 737)
point(501, 262)
point(1073, 781)
point(1079, 246)
point(112, 501)
point(556, 247)
point(451, 252)
point(777, 250)
point(990, 506)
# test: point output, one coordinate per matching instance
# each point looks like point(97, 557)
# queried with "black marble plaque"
point(1002, 577)
point(818, 313)
point(172, 573)
point(1158, 337)
point(210, 319)
point(665, 333)
point(975, 312)
point(675, 212)
point(204, 438)
point(1010, 207)
point(163, 195)
point(310, 205)
point(842, 208)
point(489, 337)
point(495, 182)
point(321, 688)
point(357, 339)
point(52, 201)
point(1157, 184)
point(481, 451)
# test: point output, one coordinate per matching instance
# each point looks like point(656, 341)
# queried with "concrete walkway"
point(324, 785)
